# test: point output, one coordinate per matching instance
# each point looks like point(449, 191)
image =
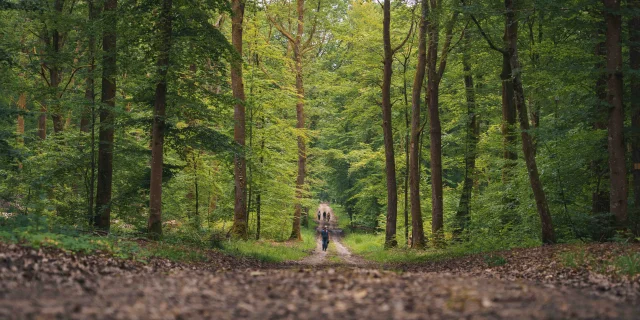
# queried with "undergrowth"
point(273, 251)
point(183, 245)
point(623, 264)
point(370, 246)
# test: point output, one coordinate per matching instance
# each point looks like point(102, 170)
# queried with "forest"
point(486, 140)
point(433, 122)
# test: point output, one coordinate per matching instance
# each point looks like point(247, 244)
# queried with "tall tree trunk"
point(634, 63)
point(239, 228)
point(390, 164)
point(42, 122)
point(463, 215)
point(107, 118)
point(54, 72)
point(600, 196)
point(617, 168)
point(417, 236)
point(159, 106)
point(302, 152)
point(89, 93)
point(548, 235)
point(509, 137)
point(22, 106)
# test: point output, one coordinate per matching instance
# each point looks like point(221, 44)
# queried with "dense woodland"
point(430, 122)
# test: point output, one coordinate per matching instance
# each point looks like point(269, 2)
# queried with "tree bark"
point(107, 117)
point(548, 235)
point(463, 214)
point(508, 117)
point(417, 235)
point(42, 122)
point(390, 164)
point(239, 228)
point(634, 63)
point(159, 106)
point(302, 152)
point(435, 70)
point(54, 72)
point(22, 106)
point(89, 93)
point(617, 168)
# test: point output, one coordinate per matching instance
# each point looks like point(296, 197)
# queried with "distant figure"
point(324, 215)
point(325, 238)
point(318, 215)
point(328, 216)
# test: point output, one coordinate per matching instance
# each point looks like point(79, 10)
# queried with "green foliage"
point(628, 264)
point(494, 260)
point(271, 251)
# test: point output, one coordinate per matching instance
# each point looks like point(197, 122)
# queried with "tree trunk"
point(634, 63)
point(600, 196)
point(417, 235)
point(463, 215)
point(159, 106)
point(54, 72)
point(617, 168)
point(42, 122)
point(302, 153)
point(89, 93)
point(435, 129)
point(390, 164)
point(22, 106)
point(107, 117)
point(239, 228)
point(548, 236)
point(509, 137)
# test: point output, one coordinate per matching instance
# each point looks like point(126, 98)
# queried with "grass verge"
point(371, 247)
point(273, 251)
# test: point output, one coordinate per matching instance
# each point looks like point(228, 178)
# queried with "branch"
point(69, 81)
point(281, 29)
point(44, 76)
point(393, 51)
point(313, 29)
point(464, 31)
point(484, 35)
point(447, 44)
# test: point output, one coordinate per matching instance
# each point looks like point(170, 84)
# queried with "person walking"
point(325, 238)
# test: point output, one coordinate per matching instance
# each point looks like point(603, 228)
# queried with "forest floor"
point(522, 284)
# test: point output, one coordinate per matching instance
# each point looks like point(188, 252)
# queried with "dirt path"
point(337, 253)
point(50, 284)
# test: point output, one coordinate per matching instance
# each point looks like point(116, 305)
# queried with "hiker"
point(318, 215)
point(329, 216)
point(324, 215)
point(325, 238)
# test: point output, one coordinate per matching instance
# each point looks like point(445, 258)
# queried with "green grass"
point(628, 264)
point(118, 247)
point(180, 245)
point(370, 247)
point(272, 251)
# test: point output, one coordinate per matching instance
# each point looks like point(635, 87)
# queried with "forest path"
point(51, 284)
point(337, 253)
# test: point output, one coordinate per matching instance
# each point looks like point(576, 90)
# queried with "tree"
point(617, 167)
point(435, 72)
point(417, 236)
point(299, 48)
point(463, 214)
point(634, 63)
point(387, 131)
point(102, 219)
point(548, 234)
point(159, 107)
point(239, 228)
